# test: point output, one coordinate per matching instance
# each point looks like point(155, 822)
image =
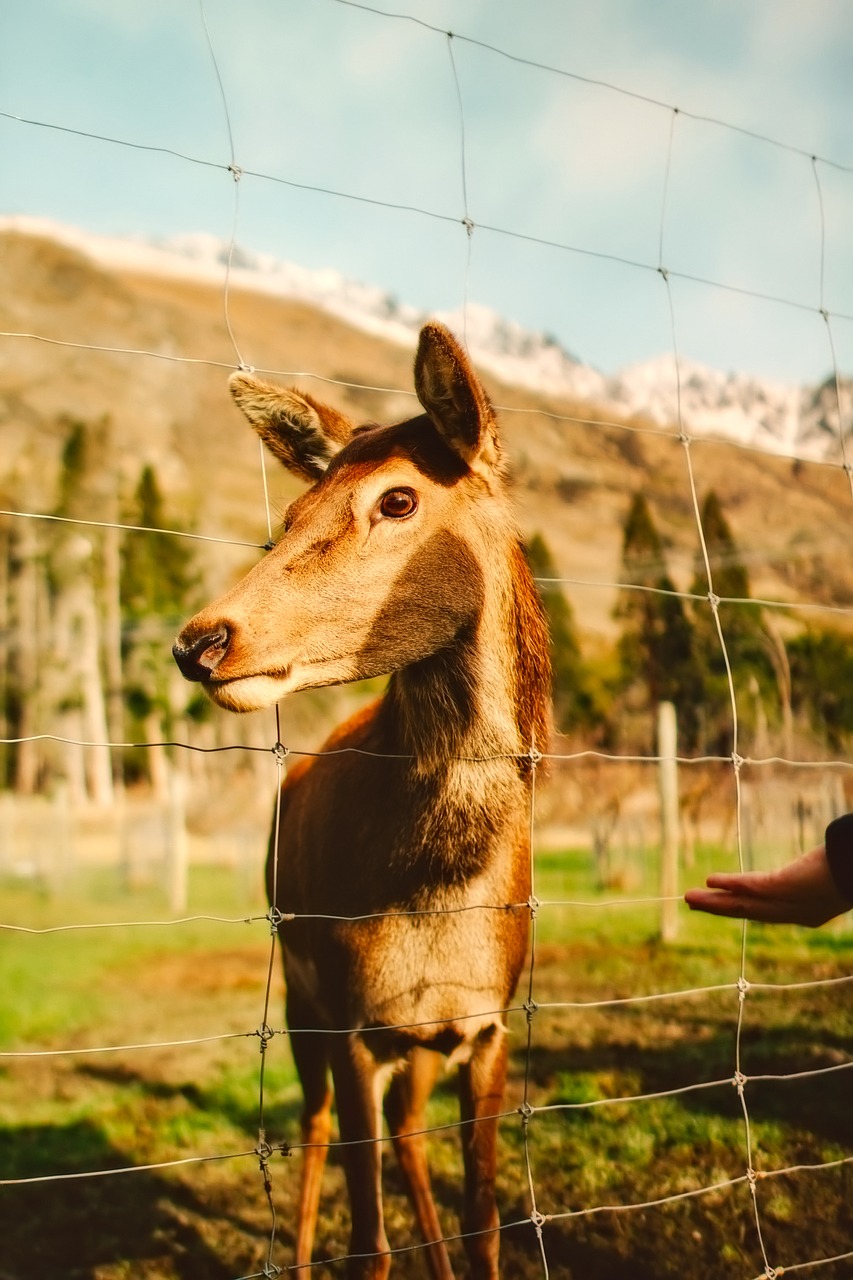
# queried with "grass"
point(586, 1148)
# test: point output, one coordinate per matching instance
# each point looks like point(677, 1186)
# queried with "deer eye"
point(396, 504)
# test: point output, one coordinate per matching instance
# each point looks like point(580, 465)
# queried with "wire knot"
point(235, 171)
point(533, 904)
point(263, 1151)
point(276, 918)
point(265, 1033)
point(739, 1080)
point(468, 224)
point(281, 752)
point(743, 987)
point(535, 757)
point(538, 1219)
point(530, 1007)
point(662, 271)
point(526, 1112)
point(738, 761)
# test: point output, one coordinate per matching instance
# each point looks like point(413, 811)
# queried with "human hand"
point(802, 892)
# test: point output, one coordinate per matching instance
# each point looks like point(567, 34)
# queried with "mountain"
point(794, 421)
point(778, 418)
point(131, 338)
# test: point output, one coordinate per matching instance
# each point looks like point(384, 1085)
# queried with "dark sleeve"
point(839, 853)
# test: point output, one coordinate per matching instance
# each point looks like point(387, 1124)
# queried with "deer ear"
point(302, 433)
point(452, 395)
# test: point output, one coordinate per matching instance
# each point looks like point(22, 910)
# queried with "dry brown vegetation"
point(574, 473)
point(69, 1116)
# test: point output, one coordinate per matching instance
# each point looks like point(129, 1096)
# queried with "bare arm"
point(802, 892)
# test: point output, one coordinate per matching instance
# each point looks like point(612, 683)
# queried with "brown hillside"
point(574, 474)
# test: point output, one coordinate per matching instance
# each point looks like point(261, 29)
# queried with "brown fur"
point(399, 840)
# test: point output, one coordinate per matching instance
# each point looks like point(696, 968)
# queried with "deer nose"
point(202, 656)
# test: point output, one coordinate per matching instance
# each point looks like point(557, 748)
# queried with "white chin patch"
point(251, 694)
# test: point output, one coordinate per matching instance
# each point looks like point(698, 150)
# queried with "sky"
point(366, 139)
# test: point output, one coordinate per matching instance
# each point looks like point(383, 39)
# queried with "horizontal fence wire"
point(743, 989)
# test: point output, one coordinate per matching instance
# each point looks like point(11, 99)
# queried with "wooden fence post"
point(668, 784)
point(177, 854)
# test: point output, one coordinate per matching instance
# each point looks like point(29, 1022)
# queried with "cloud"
point(330, 95)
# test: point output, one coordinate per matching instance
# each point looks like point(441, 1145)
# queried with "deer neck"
point(484, 698)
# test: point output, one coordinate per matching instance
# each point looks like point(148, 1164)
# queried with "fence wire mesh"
point(526, 1014)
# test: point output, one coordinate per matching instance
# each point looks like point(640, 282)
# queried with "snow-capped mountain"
point(784, 419)
point(752, 411)
point(517, 355)
point(797, 421)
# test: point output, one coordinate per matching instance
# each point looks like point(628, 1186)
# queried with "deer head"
point(381, 562)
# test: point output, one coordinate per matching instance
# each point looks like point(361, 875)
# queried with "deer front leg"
point(481, 1089)
point(312, 1064)
point(356, 1077)
point(405, 1109)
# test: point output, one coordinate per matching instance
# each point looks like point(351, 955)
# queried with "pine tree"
point(574, 704)
point(155, 565)
point(753, 657)
point(656, 648)
point(157, 573)
point(822, 672)
point(74, 678)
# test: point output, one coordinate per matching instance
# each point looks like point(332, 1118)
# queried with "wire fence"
point(741, 989)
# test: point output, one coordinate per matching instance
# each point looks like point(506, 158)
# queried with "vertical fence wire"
point(467, 222)
point(526, 1111)
point(836, 375)
point(714, 602)
point(264, 1149)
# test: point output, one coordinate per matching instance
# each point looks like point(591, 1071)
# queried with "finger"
point(717, 903)
point(723, 879)
point(745, 882)
point(738, 906)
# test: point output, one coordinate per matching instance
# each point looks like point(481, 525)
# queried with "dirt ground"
point(212, 1220)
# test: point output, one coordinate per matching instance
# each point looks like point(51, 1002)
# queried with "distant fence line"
point(144, 842)
point(151, 840)
point(762, 815)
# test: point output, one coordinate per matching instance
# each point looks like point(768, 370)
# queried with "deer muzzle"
point(198, 659)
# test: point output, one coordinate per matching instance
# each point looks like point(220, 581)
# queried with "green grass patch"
point(584, 1148)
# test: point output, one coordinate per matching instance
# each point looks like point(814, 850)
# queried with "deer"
point(400, 857)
